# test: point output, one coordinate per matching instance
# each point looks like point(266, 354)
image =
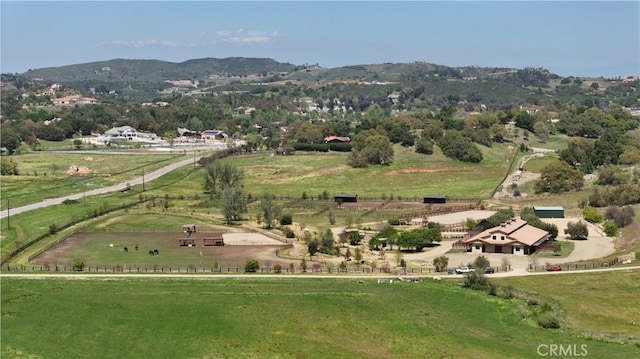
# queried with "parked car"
point(554, 269)
point(489, 270)
point(463, 270)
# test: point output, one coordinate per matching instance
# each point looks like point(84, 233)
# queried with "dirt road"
point(289, 276)
point(148, 177)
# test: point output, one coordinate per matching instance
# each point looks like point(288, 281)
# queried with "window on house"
point(502, 238)
point(494, 237)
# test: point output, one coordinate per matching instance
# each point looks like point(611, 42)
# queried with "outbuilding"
point(434, 198)
point(341, 198)
point(548, 212)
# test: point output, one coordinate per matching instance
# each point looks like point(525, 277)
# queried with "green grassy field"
point(537, 164)
point(555, 142)
point(44, 174)
point(602, 305)
point(269, 318)
point(411, 174)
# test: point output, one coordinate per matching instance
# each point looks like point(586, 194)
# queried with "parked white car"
point(463, 270)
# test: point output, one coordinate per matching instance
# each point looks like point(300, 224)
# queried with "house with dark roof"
point(514, 236)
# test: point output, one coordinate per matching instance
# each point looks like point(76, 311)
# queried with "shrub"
point(277, 268)
point(288, 232)
point(481, 262)
point(441, 263)
point(79, 264)
point(53, 228)
point(610, 228)
point(548, 320)
point(577, 230)
point(8, 167)
point(394, 221)
point(354, 238)
point(251, 266)
point(592, 215)
point(286, 219)
point(476, 280)
point(622, 216)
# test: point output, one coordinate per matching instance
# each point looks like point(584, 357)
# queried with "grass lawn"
point(268, 318)
point(555, 142)
point(44, 174)
point(597, 304)
point(538, 163)
point(565, 249)
point(411, 174)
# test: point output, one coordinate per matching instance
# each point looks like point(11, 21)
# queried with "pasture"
point(599, 305)
point(411, 174)
point(268, 318)
point(54, 174)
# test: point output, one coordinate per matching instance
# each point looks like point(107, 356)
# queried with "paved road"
point(292, 276)
point(148, 177)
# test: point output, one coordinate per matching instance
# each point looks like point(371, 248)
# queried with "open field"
point(597, 304)
point(50, 174)
point(411, 174)
point(538, 163)
point(270, 318)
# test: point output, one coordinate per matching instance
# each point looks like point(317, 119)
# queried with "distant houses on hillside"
point(74, 100)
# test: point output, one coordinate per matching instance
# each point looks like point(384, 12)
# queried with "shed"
point(189, 228)
point(187, 242)
point(434, 198)
point(345, 198)
point(548, 212)
point(214, 240)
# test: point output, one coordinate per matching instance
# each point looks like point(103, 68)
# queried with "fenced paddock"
point(124, 249)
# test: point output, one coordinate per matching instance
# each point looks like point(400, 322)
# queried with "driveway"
point(596, 246)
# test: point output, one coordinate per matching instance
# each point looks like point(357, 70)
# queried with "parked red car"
point(554, 269)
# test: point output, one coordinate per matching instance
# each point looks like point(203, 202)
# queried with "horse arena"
point(165, 249)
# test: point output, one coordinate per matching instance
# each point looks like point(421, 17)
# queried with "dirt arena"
point(107, 249)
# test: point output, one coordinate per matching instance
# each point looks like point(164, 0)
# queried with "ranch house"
point(123, 133)
point(337, 139)
point(212, 135)
point(514, 236)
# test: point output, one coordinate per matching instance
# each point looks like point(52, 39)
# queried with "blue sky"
point(568, 38)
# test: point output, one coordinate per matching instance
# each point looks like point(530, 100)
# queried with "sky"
point(569, 38)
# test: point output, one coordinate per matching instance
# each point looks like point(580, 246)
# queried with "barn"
point(434, 198)
point(341, 198)
point(548, 212)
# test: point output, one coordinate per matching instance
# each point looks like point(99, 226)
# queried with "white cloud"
point(248, 37)
point(145, 43)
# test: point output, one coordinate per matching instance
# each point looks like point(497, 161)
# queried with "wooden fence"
point(574, 266)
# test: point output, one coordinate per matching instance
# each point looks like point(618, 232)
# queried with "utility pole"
point(143, 189)
point(8, 215)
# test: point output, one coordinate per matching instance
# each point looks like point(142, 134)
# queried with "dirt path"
point(298, 276)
